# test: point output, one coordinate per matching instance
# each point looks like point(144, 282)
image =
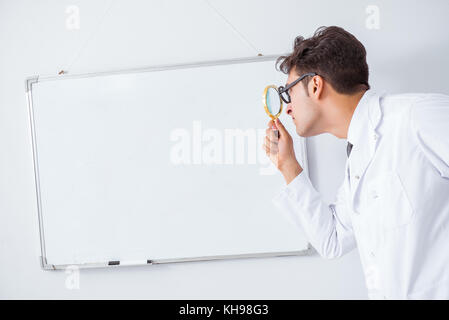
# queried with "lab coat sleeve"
point(327, 227)
point(430, 123)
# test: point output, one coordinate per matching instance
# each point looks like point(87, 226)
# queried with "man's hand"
point(278, 146)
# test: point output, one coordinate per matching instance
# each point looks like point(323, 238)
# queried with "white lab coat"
point(394, 201)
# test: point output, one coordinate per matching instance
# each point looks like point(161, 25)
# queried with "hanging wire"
point(89, 38)
point(108, 9)
point(233, 27)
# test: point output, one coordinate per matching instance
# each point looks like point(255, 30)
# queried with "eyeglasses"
point(283, 91)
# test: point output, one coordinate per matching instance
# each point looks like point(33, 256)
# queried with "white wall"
point(408, 53)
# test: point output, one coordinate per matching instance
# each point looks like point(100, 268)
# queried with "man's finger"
point(280, 126)
point(272, 146)
point(267, 131)
point(270, 142)
point(272, 135)
point(269, 152)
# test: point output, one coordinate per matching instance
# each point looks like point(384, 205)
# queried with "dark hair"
point(332, 53)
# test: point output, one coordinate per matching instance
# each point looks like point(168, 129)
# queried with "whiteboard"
point(158, 165)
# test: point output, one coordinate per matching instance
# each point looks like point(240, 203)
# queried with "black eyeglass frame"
point(283, 89)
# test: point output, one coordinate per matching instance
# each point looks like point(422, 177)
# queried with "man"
point(394, 201)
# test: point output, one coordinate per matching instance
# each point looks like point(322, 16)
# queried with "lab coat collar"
point(366, 113)
point(364, 137)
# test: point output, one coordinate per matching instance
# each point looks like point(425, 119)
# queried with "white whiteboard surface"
point(146, 166)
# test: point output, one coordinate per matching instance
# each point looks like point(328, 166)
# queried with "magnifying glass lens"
point(272, 101)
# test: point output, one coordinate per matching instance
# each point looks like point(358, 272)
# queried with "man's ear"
point(316, 86)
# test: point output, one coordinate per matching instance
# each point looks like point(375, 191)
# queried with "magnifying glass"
point(272, 103)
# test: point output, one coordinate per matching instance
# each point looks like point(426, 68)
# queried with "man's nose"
point(289, 109)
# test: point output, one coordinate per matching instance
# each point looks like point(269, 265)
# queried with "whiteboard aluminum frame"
point(43, 257)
